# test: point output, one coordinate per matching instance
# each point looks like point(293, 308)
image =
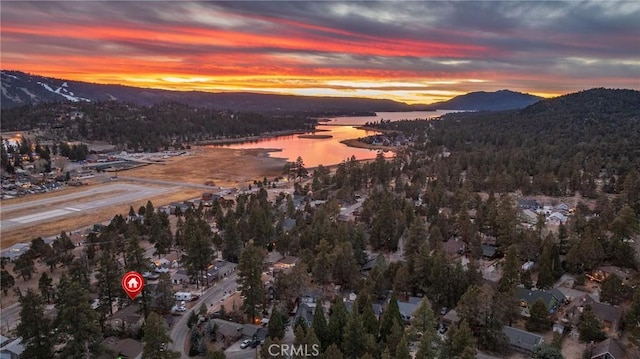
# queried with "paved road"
point(168, 183)
point(180, 331)
point(45, 210)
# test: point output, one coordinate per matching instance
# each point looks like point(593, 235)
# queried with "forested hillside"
point(141, 127)
point(578, 142)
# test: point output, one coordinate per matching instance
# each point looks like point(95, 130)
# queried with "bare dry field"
point(11, 237)
point(222, 166)
point(206, 165)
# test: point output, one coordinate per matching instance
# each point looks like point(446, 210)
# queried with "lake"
point(329, 151)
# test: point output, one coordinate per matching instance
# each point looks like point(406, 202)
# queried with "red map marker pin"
point(132, 283)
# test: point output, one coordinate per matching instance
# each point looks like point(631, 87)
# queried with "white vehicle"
point(185, 296)
point(245, 343)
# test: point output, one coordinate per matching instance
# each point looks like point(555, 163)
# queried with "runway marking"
point(73, 209)
point(40, 216)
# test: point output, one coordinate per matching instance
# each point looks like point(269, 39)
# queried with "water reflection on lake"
point(314, 151)
point(393, 116)
point(329, 151)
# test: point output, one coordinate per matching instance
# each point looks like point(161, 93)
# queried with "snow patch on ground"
point(6, 74)
point(33, 96)
point(59, 90)
point(6, 94)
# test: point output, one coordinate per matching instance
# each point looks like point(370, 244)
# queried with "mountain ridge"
point(488, 101)
point(20, 88)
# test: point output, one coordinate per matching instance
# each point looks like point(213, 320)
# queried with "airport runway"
point(48, 209)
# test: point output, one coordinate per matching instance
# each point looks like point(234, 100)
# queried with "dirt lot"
point(206, 165)
point(222, 166)
point(11, 237)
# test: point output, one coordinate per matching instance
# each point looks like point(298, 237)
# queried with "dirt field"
point(206, 165)
point(222, 166)
point(11, 237)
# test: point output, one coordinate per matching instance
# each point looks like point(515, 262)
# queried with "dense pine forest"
point(580, 142)
point(144, 128)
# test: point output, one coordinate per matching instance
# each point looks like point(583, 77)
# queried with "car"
point(255, 343)
point(443, 311)
point(245, 343)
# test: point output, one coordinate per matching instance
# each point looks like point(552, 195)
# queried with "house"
point(454, 247)
point(489, 251)
point(562, 208)
point(288, 224)
point(305, 310)
point(12, 349)
point(557, 218)
point(180, 277)
point(521, 340)
point(531, 204)
point(451, 318)
point(226, 331)
point(408, 308)
point(286, 262)
point(128, 319)
point(609, 316)
point(553, 298)
point(608, 349)
point(529, 216)
point(368, 266)
point(126, 348)
point(16, 251)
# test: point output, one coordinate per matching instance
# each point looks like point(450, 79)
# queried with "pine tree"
point(545, 277)
point(369, 320)
point(157, 339)
point(393, 339)
point(353, 341)
point(319, 325)
point(333, 352)
point(416, 237)
point(423, 320)
point(45, 285)
point(546, 351)
point(539, 319)
point(426, 348)
point(6, 280)
point(402, 350)
point(460, 337)
point(589, 326)
point(277, 324)
point(108, 275)
point(250, 281)
point(390, 317)
point(337, 322)
point(402, 281)
point(34, 328)
point(632, 317)
point(510, 276)
point(612, 290)
point(79, 334)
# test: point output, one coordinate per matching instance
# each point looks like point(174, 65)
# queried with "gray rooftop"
point(522, 339)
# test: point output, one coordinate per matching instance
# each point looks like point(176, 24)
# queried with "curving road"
point(180, 331)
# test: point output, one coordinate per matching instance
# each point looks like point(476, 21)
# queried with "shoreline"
point(356, 143)
point(229, 141)
point(373, 129)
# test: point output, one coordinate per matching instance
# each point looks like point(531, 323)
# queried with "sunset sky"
point(416, 52)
